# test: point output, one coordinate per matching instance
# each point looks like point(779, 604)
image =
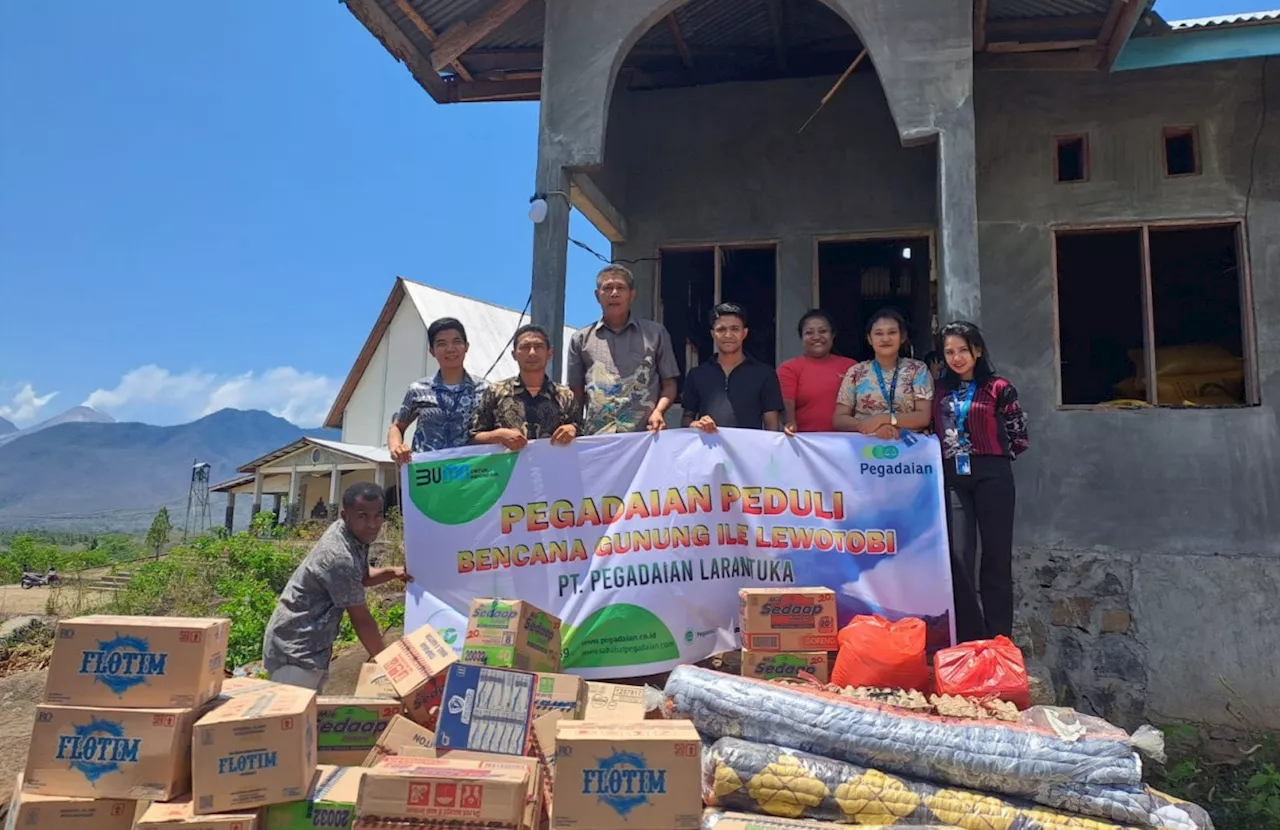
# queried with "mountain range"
point(82, 469)
point(6, 427)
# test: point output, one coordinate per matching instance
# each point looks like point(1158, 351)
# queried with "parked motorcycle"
point(50, 579)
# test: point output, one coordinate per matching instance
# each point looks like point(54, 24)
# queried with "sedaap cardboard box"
point(790, 619)
point(457, 792)
point(487, 710)
point(373, 682)
point(512, 635)
point(613, 702)
point(55, 812)
point(329, 804)
point(95, 752)
point(400, 734)
point(613, 776)
point(416, 664)
point(137, 662)
point(565, 693)
point(178, 815)
point(533, 796)
point(348, 727)
point(254, 749)
point(768, 665)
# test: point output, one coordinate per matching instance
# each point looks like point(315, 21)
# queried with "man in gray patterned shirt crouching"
point(331, 579)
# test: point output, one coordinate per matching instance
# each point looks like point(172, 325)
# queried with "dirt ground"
point(19, 694)
point(15, 600)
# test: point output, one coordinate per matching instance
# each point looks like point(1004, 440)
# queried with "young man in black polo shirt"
point(735, 389)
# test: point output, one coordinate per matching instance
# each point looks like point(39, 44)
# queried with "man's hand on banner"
point(563, 435)
point(790, 429)
point(511, 439)
point(657, 421)
point(401, 454)
point(704, 424)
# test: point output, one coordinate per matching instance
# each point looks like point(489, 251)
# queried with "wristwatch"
point(893, 419)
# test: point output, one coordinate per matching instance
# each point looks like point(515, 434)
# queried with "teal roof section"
point(1223, 38)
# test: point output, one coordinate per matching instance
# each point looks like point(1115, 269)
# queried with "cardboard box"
point(791, 619)
point(348, 727)
point(254, 749)
point(373, 682)
point(614, 703)
point(768, 665)
point(178, 815)
point(400, 734)
point(643, 776)
point(137, 662)
point(233, 686)
point(416, 664)
point(544, 741)
point(28, 811)
point(512, 635)
point(560, 693)
point(330, 804)
point(441, 758)
point(95, 752)
point(447, 791)
point(487, 710)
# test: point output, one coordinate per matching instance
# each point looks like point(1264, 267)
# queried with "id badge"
point(908, 437)
point(962, 464)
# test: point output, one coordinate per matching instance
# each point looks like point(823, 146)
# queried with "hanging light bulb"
point(537, 209)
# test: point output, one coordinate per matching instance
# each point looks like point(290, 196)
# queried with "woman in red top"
point(982, 429)
point(810, 382)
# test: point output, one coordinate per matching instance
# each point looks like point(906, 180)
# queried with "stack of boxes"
point(140, 731)
point(787, 632)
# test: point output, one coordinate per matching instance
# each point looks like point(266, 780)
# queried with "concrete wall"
point(1149, 540)
point(725, 164)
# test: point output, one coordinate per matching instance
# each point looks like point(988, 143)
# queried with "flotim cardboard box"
point(348, 727)
point(613, 776)
point(95, 752)
point(487, 710)
point(416, 664)
point(254, 749)
point(614, 703)
point(178, 815)
point(533, 796)
point(565, 693)
point(457, 793)
point(56, 812)
point(137, 662)
point(330, 803)
point(400, 734)
point(373, 682)
point(791, 619)
point(512, 635)
point(770, 665)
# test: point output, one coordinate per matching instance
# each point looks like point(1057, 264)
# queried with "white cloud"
point(300, 397)
point(25, 406)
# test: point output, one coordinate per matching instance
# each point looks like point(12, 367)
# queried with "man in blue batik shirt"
point(442, 405)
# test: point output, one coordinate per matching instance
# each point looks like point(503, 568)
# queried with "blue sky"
point(206, 205)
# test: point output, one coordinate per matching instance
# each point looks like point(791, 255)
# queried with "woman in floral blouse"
point(888, 393)
point(982, 429)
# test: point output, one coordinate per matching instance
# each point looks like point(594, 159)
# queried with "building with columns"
point(1095, 185)
point(305, 480)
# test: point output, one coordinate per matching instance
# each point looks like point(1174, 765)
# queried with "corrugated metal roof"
point(1226, 20)
point(1022, 9)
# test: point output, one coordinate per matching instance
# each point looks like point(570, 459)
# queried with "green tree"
point(158, 535)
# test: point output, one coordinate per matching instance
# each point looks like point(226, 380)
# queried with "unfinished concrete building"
point(1096, 186)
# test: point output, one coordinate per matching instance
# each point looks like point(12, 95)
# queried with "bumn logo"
point(880, 452)
point(122, 663)
point(623, 782)
point(425, 475)
point(97, 748)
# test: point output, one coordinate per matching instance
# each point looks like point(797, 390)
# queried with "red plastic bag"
point(876, 652)
point(983, 669)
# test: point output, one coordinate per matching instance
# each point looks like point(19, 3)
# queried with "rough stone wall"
point(1148, 541)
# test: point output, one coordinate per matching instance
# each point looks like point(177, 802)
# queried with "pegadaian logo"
point(623, 781)
point(880, 452)
point(98, 748)
point(123, 663)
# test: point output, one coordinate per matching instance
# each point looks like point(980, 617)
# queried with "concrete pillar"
point(291, 504)
point(551, 254)
point(275, 507)
point(257, 494)
point(380, 475)
point(230, 521)
point(959, 279)
point(335, 486)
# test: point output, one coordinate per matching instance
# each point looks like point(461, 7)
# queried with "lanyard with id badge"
point(908, 437)
point(960, 408)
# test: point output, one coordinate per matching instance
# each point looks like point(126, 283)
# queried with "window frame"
point(1086, 162)
point(1174, 132)
point(1252, 396)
